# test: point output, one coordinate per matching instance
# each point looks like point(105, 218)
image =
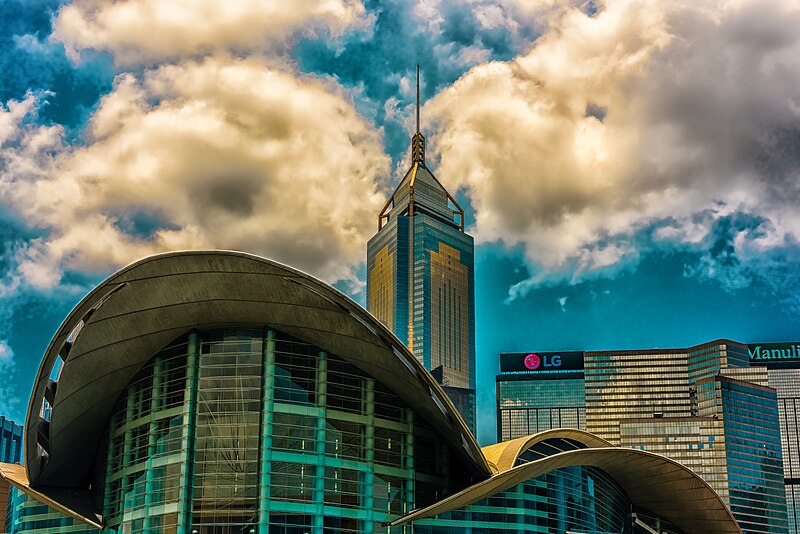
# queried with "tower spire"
point(417, 98)
point(418, 141)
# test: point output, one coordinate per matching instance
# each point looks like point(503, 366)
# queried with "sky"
point(630, 168)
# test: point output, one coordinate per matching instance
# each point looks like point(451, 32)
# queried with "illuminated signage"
point(774, 353)
point(542, 364)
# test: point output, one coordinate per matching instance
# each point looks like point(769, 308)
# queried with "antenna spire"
point(417, 97)
point(418, 141)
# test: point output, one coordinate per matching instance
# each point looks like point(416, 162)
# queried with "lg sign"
point(541, 365)
point(534, 361)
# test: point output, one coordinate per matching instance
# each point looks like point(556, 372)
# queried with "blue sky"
point(630, 168)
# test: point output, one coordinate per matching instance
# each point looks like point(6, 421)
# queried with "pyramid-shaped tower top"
point(420, 191)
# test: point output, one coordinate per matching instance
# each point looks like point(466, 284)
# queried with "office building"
point(10, 452)
point(420, 278)
point(704, 406)
point(783, 363)
point(219, 392)
point(538, 392)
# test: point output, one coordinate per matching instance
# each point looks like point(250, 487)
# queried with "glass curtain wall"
point(26, 514)
point(571, 499)
point(244, 430)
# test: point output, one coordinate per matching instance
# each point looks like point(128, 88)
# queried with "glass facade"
point(10, 452)
point(526, 407)
point(634, 384)
point(251, 430)
point(27, 515)
point(787, 384)
point(755, 463)
point(703, 406)
point(783, 363)
point(571, 499)
point(420, 283)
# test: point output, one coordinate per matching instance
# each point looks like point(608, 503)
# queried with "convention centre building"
point(220, 392)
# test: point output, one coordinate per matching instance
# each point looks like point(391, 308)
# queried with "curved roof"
point(504, 455)
point(133, 314)
point(653, 482)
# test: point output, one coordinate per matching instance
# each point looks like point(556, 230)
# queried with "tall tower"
point(420, 277)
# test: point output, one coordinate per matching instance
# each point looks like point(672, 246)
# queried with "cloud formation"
point(218, 153)
point(647, 113)
point(147, 31)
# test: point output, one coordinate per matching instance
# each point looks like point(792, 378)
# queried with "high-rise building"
point(783, 363)
point(10, 452)
point(538, 392)
point(213, 392)
point(420, 278)
point(704, 406)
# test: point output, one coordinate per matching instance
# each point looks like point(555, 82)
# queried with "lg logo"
point(534, 361)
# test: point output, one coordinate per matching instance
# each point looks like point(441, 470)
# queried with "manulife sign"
point(772, 353)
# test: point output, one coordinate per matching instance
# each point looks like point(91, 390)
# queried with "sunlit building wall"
point(420, 279)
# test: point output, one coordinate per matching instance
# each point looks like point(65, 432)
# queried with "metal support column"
point(267, 415)
point(127, 481)
point(152, 437)
point(319, 478)
point(108, 498)
point(409, 462)
point(369, 457)
point(189, 427)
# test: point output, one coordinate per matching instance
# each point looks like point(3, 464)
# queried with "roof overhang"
point(74, 503)
point(653, 482)
point(504, 455)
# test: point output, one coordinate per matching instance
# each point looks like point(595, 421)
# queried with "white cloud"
point(646, 111)
point(8, 388)
point(219, 153)
point(148, 31)
point(6, 352)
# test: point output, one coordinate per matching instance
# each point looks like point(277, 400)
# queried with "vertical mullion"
point(107, 495)
point(268, 386)
point(319, 479)
point(409, 461)
point(369, 450)
point(152, 434)
point(189, 427)
point(127, 460)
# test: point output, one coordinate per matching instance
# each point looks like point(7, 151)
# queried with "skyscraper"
point(783, 363)
point(420, 278)
point(706, 406)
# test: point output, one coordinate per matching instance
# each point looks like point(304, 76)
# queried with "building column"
point(369, 453)
point(409, 462)
point(107, 496)
point(189, 427)
point(319, 478)
point(267, 414)
point(126, 480)
point(152, 437)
